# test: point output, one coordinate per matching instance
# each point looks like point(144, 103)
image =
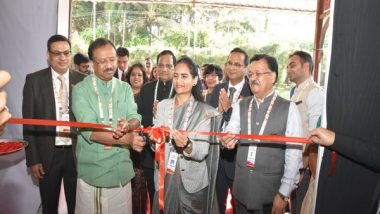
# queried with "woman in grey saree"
point(190, 160)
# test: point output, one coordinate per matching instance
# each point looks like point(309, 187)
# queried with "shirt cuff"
point(285, 189)
point(134, 116)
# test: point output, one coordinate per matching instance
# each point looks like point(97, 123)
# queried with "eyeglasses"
point(230, 64)
point(162, 66)
point(57, 54)
point(258, 74)
point(104, 61)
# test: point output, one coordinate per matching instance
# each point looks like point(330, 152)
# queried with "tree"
point(203, 32)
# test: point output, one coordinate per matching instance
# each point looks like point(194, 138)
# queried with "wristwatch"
point(283, 197)
point(187, 144)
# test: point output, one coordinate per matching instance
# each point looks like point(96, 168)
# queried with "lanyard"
point(156, 89)
point(264, 124)
point(252, 150)
point(100, 105)
point(187, 115)
point(173, 156)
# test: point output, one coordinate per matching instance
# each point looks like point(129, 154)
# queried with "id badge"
point(65, 117)
point(251, 156)
point(173, 157)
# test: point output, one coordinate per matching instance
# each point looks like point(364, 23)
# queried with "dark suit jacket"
point(39, 103)
point(353, 112)
point(214, 96)
point(228, 156)
point(145, 107)
point(116, 75)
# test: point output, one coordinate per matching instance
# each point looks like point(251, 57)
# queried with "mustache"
point(255, 82)
point(108, 69)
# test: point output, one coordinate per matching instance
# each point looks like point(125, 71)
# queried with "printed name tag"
point(173, 157)
point(65, 117)
point(251, 156)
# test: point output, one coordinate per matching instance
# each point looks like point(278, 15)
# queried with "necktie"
point(63, 96)
point(122, 76)
point(232, 92)
point(292, 91)
point(63, 100)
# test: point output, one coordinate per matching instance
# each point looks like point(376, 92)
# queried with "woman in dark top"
point(136, 77)
point(212, 75)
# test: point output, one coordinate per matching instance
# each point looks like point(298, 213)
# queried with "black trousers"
point(241, 209)
point(223, 183)
point(298, 194)
point(62, 167)
point(149, 176)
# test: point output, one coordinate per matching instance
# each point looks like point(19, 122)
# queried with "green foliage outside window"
point(203, 32)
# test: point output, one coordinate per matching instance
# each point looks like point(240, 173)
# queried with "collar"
point(120, 71)
point(56, 74)
point(267, 98)
point(237, 86)
point(305, 83)
point(102, 84)
point(165, 84)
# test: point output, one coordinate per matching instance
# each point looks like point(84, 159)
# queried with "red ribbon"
point(158, 135)
point(42, 122)
point(270, 138)
point(166, 130)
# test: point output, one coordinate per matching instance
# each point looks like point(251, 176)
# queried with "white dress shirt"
point(56, 87)
point(293, 153)
point(238, 88)
point(120, 73)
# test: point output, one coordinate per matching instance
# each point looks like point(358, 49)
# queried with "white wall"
point(25, 28)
